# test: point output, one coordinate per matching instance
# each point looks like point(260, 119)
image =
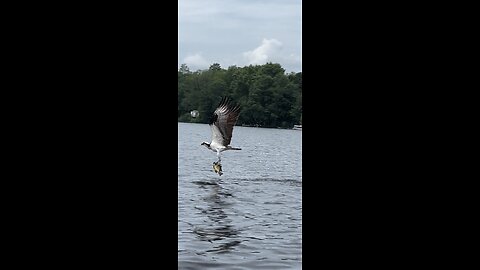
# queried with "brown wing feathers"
point(225, 117)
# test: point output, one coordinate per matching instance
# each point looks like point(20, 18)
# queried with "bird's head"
point(206, 144)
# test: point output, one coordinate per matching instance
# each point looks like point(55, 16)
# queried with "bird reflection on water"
point(219, 229)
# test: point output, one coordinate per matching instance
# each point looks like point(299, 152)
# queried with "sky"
point(240, 33)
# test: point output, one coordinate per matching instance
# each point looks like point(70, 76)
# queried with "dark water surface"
point(251, 216)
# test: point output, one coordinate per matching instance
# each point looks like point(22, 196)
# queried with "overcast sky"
point(240, 32)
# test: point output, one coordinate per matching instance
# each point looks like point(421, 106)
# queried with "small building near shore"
point(194, 113)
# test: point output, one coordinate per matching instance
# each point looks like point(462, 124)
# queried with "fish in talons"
point(217, 167)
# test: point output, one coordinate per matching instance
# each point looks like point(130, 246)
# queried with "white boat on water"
point(297, 127)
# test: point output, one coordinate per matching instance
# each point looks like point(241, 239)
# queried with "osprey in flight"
point(221, 124)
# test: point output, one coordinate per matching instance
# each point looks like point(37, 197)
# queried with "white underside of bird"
point(216, 145)
point(218, 148)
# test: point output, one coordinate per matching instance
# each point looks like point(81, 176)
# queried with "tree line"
point(268, 96)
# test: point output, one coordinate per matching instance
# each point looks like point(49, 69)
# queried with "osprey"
point(221, 124)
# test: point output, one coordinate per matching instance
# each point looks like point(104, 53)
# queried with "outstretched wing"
point(223, 120)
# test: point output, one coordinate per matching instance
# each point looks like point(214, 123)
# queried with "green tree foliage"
point(268, 96)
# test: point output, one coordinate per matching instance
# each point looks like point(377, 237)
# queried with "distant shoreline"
point(254, 126)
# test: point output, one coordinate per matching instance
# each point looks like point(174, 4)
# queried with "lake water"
point(251, 216)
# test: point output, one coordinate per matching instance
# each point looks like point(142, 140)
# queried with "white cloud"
point(272, 50)
point(196, 61)
point(266, 52)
